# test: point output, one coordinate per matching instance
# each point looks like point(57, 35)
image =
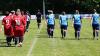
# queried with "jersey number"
point(17, 22)
point(7, 22)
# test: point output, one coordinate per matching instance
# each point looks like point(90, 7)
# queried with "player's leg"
point(75, 28)
point(93, 34)
point(97, 31)
point(93, 27)
point(97, 34)
point(65, 30)
point(8, 41)
point(78, 31)
point(20, 41)
point(27, 26)
point(39, 23)
point(48, 30)
point(61, 30)
point(16, 40)
point(78, 35)
point(64, 33)
point(52, 30)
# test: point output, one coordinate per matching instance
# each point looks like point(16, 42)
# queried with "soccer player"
point(18, 24)
point(95, 24)
point(63, 24)
point(28, 17)
point(38, 15)
point(8, 31)
point(25, 19)
point(50, 19)
point(77, 24)
point(12, 14)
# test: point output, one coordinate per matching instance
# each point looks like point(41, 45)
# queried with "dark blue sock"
point(64, 33)
point(97, 34)
point(93, 34)
point(78, 34)
point(48, 31)
point(75, 34)
point(52, 33)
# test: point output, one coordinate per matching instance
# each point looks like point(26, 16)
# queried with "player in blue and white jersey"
point(95, 24)
point(50, 19)
point(63, 24)
point(77, 24)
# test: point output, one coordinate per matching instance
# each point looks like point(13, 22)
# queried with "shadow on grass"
point(45, 37)
point(86, 38)
point(6, 46)
point(2, 39)
point(3, 43)
point(76, 39)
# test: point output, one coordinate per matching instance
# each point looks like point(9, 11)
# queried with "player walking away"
point(28, 17)
point(95, 24)
point(50, 23)
point(38, 15)
point(12, 15)
point(77, 24)
point(63, 24)
point(24, 17)
point(8, 31)
point(18, 24)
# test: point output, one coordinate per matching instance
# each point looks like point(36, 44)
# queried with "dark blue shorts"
point(50, 26)
point(95, 26)
point(77, 27)
point(64, 27)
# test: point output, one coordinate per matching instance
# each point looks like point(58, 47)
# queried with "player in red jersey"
point(18, 24)
point(8, 31)
point(24, 17)
point(12, 14)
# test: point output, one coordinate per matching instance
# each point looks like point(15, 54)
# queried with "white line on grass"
point(34, 42)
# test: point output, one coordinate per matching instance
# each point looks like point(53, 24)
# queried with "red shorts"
point(19, 31)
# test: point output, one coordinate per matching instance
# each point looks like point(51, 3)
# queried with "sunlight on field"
point(41, 45)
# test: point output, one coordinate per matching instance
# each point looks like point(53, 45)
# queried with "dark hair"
point(7, 13)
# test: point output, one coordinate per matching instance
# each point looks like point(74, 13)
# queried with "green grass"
point(45, 46)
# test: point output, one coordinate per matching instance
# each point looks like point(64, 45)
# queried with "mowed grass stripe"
point(45, 46)
point(91, 45)
point(34, 41)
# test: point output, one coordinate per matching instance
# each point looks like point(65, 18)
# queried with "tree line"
point(84, 6)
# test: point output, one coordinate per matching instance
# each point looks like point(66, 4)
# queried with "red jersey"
point(12, 16)
point(7, 22)
point(18, 24)
point(24, 17)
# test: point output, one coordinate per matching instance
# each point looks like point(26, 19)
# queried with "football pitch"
point(37, 43)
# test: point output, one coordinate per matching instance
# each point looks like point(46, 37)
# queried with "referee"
point(38, 15)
